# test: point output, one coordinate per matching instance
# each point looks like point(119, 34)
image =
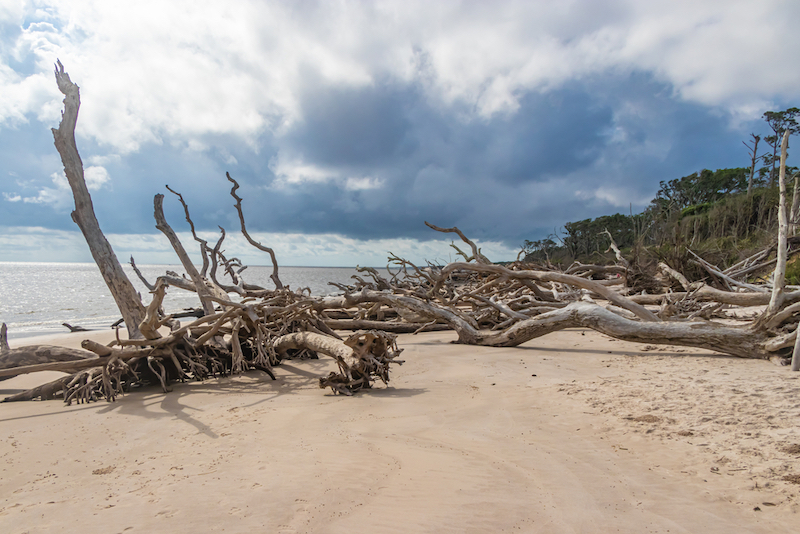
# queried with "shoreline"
point(571, 432)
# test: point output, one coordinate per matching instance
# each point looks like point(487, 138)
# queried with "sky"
point(349, 124)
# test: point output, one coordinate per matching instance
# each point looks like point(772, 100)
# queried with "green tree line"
point(726, 206)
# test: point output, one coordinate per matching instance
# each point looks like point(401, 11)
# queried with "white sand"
point(464, 440)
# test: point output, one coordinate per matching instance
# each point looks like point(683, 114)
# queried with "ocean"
point(36, 298)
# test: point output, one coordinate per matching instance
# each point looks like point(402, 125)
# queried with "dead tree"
point(121, 289)
point(238, 206)
point(252, 334)
point(476, 252)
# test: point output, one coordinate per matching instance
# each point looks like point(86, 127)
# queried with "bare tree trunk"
point(793, 222)
point(4, 339)
point(126, 297)
point(780, 269)
point(756, 139)
point(202, 289)
point(796, 351)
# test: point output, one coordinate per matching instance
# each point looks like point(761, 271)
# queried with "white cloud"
point(60, 196)
point(95, 176)
point(363, 183)
point(152, 71)
point(618, 197)
point(330, 250)
point(294, 171)
point(12, 197)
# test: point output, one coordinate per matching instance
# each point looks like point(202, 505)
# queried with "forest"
point(725, 214)
point(636, 292)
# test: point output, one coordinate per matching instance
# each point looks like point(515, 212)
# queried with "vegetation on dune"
point(724, 215)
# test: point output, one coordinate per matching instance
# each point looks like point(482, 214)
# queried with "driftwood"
point(3, 339)
point(361, 357)
point(275, 278)
point(122, 290)
point(34, 358)
point(476, 252)
point(485, 304)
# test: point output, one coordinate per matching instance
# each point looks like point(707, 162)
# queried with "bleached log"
point(387, 326)
point(714, 271)
point(330, 346)
point(34, 358)
point(742, 342)
point(125, 295)
point(548, 276)
point(4, 339)
point(707, 293)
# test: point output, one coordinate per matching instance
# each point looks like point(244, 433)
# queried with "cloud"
point(362, 120)
point(250, 67)
point(95, 176)
point(60, 196)
point(326, 250)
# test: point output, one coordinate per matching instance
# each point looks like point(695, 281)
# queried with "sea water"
point(36, 298)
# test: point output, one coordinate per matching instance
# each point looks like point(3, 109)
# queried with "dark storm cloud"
point(354, 127)
point(433, 163)
point(587, 149)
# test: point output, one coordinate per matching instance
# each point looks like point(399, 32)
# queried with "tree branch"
point(259, 246)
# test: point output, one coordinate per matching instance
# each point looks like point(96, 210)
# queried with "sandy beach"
point(574, 432)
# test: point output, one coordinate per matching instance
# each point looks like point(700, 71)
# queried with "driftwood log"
point(122, 290)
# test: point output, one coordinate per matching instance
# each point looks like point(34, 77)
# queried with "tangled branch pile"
point(242, 326)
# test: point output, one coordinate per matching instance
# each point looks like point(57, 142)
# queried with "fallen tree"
point(484, 303)
point(229, 337)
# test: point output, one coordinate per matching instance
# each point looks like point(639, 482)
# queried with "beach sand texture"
point(574, 432)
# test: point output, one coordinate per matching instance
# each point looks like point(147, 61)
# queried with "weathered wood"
point(548, 276)
point(45, 391)
point(136, 270)
point(796, 351)
point(125, 295)
point(74, 329)
point(34, 358)
point(779, 276)
point(613, 246)
point(202, 286)
point(204, 248)
point(476, 252)
point(333, 347)
point(151, 323)
point(714, 271)
point(4, 339)
point(387, 326)
point(275, 278)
